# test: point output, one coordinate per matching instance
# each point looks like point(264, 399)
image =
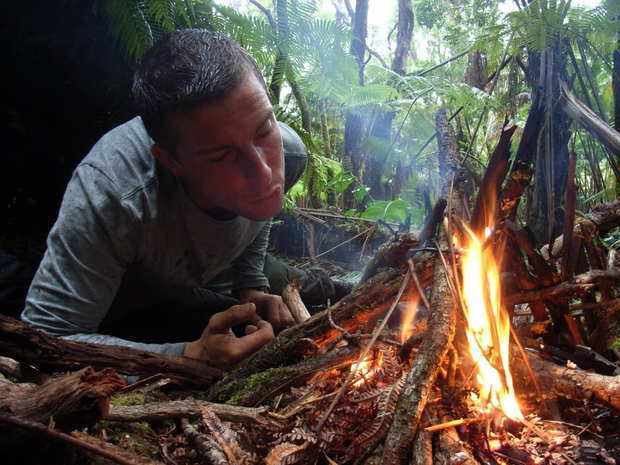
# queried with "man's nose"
point(257, 166)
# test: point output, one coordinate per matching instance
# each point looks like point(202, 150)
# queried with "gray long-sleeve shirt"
point(128, 237)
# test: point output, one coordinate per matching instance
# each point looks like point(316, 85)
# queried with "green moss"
point(124, 400)
point(137, 437)
point(256, 385)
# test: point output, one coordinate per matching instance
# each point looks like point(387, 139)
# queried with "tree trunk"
point(545, 215)
point(382, 127)
point(616, 83)
point(354, 122)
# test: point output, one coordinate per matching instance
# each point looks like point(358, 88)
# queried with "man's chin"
point(263, 210)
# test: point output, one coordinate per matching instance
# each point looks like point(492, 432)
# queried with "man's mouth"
point(275, 190)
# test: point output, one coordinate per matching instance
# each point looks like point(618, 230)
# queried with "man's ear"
point(167, 159)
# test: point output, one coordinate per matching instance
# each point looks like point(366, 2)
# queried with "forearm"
point(175, 349)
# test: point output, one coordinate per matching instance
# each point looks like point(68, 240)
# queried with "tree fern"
point(130, 25)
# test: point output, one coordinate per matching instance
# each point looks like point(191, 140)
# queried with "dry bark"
point(521, 172)
point(70, 399)
point(451, 450)
point(600, 220)
point(390, 255)
point(292, 299)
point(10, 367)
point(421, 378)
point(570, 251)
point(29, 345)
point(422, 450)
point(569, 382)
point(485, 207)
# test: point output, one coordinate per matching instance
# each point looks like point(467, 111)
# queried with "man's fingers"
point(288, 317)
point(249, 329)
point(250, 343)
point(235, 315)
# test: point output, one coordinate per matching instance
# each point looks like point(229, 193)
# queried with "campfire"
point(444, 354)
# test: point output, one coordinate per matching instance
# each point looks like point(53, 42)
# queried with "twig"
point(414, 275)
point(345, 242)
point(334, 325)
point(159, 379)
point(310, 217)
point(89, 446)
point(452, 423)
point(364, 353)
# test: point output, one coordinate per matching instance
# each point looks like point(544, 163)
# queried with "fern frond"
point(130, 26)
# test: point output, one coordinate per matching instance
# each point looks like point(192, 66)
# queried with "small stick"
point(334, 325)
point(452, 423)
point(366, 231)
point(414, 276)
point(364, 353)
point(158, 379)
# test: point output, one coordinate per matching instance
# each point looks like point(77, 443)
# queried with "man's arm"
point(88, 251)
point(253, 286)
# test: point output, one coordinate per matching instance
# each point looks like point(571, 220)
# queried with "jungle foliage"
point(473, 57)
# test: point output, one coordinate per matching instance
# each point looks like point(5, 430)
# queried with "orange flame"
point(407, 326)
point(488, 327)
point(366, 369)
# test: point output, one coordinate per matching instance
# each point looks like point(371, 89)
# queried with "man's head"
point(205, 104)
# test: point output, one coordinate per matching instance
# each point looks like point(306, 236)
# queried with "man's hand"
point(218, 346)
point(270, 307)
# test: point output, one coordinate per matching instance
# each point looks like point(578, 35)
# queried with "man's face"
point(229, 154)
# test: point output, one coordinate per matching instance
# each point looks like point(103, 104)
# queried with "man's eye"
point(266, 129)
point(220, 156)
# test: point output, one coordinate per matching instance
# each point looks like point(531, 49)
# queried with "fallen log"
point(451, 450)
point(568, 381)
point(28, 345)
point(579, 285)
point(600, 220)
point(73, 399)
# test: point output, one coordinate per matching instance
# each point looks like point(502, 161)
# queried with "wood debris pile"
point(345, 386)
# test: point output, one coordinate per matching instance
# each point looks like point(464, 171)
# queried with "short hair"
point(184, 69)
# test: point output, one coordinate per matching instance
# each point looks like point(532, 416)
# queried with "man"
point(166, 202)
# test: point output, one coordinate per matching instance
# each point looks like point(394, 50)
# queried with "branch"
point(190, 408)
point(578, 285)
point(591, 122)
point(26, 344)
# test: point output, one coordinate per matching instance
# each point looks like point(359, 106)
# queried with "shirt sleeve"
point(249, 265)
point(88, 251)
